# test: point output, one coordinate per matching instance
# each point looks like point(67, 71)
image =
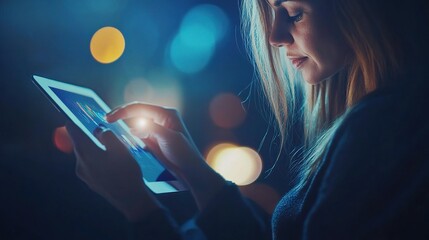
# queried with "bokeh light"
point(226, 111)
point(160, 90)
point(107, 45)
point(265, 196)
point(62, 140)
point(212, 154)
point(200, 30)
point(211, 17)
point(241, 165)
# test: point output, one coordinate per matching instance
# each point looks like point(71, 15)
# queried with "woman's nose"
point(280, 35)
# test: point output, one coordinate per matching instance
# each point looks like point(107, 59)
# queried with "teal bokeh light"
point(191, 53)
point(209, 17)
point(200, 30)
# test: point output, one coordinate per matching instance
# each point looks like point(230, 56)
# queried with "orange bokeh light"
point(107, 45)
point(226, 111)
point(62, 140)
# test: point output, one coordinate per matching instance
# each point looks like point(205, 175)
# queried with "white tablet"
point(86, 109)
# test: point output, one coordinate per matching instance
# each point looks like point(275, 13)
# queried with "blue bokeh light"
point(207, 16)
point(194, 45)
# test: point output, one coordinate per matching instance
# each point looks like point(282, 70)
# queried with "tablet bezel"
point(45, 85)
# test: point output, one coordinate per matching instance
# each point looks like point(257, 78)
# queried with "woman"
point(364, 173)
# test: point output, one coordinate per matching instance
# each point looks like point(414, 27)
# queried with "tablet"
point(87, 110)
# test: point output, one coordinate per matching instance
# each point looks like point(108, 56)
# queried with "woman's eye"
point(296, 18)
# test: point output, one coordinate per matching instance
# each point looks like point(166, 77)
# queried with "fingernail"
point(114, 110)
point(100, 129)
point(108, 117)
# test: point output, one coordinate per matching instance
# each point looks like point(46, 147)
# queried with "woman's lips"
point(297, 62)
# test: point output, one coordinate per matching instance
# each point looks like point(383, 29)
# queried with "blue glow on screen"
point(91, 115)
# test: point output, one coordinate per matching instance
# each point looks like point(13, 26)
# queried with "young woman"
point(361, 66)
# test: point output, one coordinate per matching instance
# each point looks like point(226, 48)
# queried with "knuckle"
point(180, 136)
point(127, 107)
point(133, 103)
point(172, 118)
point(171, 111)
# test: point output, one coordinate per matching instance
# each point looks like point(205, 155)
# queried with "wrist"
point(204, 183)
point(138, 205)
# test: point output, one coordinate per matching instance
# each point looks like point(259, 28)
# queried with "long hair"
point(376, 60)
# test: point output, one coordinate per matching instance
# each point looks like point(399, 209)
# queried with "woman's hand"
point(166, 136)
point(114, 174)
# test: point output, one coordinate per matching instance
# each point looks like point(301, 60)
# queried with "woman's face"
point(313, 43)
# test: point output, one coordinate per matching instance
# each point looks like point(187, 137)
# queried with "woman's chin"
point(313, 81)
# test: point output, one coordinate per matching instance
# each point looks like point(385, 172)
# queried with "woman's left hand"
point(114, 174)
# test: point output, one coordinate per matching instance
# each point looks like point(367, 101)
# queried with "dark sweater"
point(373, 183)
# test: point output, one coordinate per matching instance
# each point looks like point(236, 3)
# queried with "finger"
point(156, 113)
point(80, 169)
point(139, 132)
point(111, 141)
point(136, 122)
point(156, 132)
point(163, 131)
point(153, 148)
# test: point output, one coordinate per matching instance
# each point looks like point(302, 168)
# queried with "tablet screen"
point(87, 111)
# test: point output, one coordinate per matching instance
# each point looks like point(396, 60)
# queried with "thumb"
point(111, 141)
point(79, 139)
point(163, 143)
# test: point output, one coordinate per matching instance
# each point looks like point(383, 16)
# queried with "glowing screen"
point(91, 115)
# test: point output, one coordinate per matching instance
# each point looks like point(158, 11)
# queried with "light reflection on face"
point(310, 37)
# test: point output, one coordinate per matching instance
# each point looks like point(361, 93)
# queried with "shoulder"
point(384, 129)
point(374, 170)
point(386, 120)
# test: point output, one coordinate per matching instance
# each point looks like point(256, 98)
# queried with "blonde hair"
point(374, 59)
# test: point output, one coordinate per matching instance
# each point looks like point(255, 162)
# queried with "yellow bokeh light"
point(214, 152)
point(107, 45)
point(241, 165)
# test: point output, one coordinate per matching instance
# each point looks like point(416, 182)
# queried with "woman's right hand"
point(166, 136)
